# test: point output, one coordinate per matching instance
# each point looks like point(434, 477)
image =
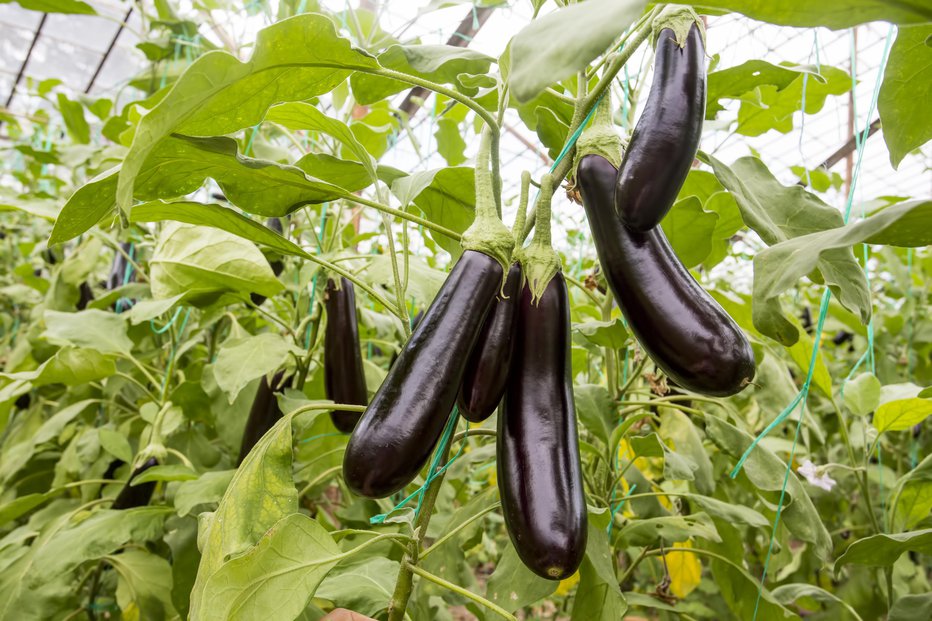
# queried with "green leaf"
point(647, 531)
point(450, 143)
point(169, 472)
point(204, 263)
point(72, 7)
point(552, 47)
point(218, 217)
point(144, 587)
point(92, 202)
point(446, 196)
point(788, 593)
point(779, 268)
point(242, 360)
point(276, 578)
point(901, 414)
point(882, 550)
point(903, 99)
point(206, 489)
point(690, 229)
point(912, 608)
point(70, 366)
point(610, 334)
point(678, 431)
point(364, 586)
point(293, 60)
point(513, 586)
point(116, 444)
point(834, 14)
point(145, 310)
point(801, 353)
point(423, 280)
point(261, 493)
point(771, 108)
point(72, 113)
point(595, 409)
point(862, 394)
point(733, 82)
point(94, 329)
point(675, 467)
point(766, 472)
point(778, 213)
point(596, 599)
point(911, 497)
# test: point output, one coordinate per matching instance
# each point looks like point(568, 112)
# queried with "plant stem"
point(405, 582)
point(461, 591)
point(427, 224)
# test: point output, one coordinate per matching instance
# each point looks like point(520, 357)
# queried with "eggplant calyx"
point(539, 261)
point(600, 137)
point(488, 234)
point(679, 19)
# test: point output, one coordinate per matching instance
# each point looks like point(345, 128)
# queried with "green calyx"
point(600, 137)
point(488, 234)
point(539, 261)
point(517, 230)
point(679, 19)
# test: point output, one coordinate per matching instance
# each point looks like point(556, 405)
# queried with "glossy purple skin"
point(136, 495)
point(401, 426)
point(487, 370)
point(539, 474)
point(277, 266)
point(685, 332)
point(344, 376)
point(264, 412)
point(666, 137)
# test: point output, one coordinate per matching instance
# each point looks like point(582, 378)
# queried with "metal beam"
point(106, 55)
point(22, 68)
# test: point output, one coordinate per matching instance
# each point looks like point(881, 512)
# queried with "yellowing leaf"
point(685, 570)
point(567, 585)
point(902, 414)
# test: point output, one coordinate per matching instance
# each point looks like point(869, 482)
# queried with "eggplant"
point(264, 412)
point(136, 495)
point(539, 472)
point(277, 265)
point(344, 377)
point(397, 432)
point(686, 333)
point(666, 137)
point(122, 272)
point(85, 296)
point(487, 370)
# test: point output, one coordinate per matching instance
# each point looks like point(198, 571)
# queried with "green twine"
point(123, 303)
point(168, 325)
point(579, 130)
point(433, 471)
point(817, 336)
point(624, 499)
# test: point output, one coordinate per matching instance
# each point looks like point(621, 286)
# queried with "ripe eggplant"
point(264, 412)
point(344, 377)
point(122, 272)
point(277, 265)
point(666, 137)
point(397, 432)
point(680, 326)
point(487, 370)
point(136, 495)
point(539, 472)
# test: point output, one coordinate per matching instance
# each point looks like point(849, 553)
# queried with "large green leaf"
point(778, 213)
point(834, 14)
point(770, 107)
point(276, 578)
point(93, 329)
point(365, 586)
point(912, 608)
point(447, 196)
point(71, 366)
point(203, 263)
point(242, 360)
point(513, 586)
point(789, 593)
point(779, 268)
point(87, 206)
point(293, 60)
point(733, 82)
point(690, 229)
point(261, 493)
point(766, 472)
point(557, 45)
point(145, 584)
point(904, 94)
point(911, 498)
point(73, 7)
point(883, 550)
point(648, 531)
point(437, 63)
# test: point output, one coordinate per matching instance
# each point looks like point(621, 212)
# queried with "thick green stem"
point(398, 213)
point(405, 581)
point(461, 591)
